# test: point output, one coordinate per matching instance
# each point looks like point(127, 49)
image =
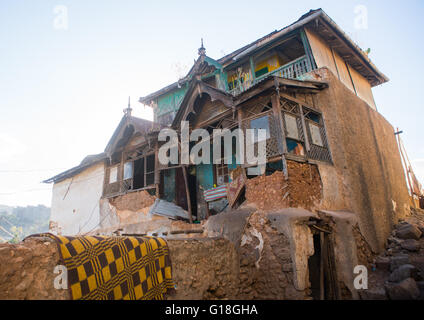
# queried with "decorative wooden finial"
point(128, 110)
point(202, 50)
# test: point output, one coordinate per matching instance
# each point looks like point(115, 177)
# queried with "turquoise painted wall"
point(170, 102)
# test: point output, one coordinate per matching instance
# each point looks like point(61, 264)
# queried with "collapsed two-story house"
point(328, 149)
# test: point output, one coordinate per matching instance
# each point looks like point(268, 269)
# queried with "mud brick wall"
point(133, 201)
point(26, 270)
point(204, 268)
point(268, 192)
point(303, 189)
point(304, 185)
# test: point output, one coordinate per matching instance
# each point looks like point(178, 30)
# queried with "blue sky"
point(62, 92)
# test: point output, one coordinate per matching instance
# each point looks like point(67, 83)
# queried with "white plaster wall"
point(75, 202)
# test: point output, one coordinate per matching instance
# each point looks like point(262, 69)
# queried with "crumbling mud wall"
point(133, 201)
point(302, 189)
point(367, 177)
point(268, 192)
point(202, 269)
point(267, 267)
point(273, 249)
point(26, 270)
point(305, 187)
point(129, 214)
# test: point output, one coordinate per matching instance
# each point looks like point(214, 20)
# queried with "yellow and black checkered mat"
point(115, 268)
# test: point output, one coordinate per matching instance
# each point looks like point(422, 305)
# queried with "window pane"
point(113, 174)
point(291, 126)
point(150, 179)
point(315, 135)
point(150, 165)
point(128, 170)
point(260, 123)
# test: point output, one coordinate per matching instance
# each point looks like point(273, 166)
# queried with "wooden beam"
point(290, 98)
point(190, 215)
point(305, 133)
point(276, 108)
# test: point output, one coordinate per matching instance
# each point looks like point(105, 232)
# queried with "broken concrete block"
point(398, 260)
point(408, 231)
point(404, 272)
point(410, 245)
point(382, 263)
point(404, 290)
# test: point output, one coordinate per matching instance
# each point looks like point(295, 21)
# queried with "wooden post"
point(208, 213)
point(157, 172)
point(406, 169)
point(190, 216)
point(276, 108)
point(305, 130)
point(321, 267)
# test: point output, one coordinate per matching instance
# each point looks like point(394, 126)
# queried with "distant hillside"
point(18, 222)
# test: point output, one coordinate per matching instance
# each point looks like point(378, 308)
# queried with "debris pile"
point(399, 271)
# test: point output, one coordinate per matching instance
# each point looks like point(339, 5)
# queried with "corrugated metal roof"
point(168, 209)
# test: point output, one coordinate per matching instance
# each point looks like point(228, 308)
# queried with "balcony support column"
point(308, 51)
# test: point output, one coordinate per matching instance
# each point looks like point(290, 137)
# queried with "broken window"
point(138, 181)
point(144, 172)
point(293, 128)
point(128, 170)
point(150, 170)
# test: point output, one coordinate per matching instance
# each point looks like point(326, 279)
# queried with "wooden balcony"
point(291, 70)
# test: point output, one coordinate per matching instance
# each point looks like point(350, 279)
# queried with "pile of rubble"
point(398, 273)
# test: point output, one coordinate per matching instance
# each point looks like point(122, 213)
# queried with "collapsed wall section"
point(301, 189)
